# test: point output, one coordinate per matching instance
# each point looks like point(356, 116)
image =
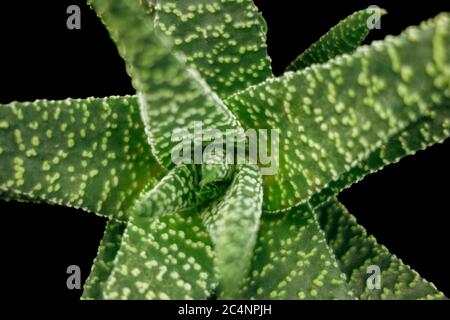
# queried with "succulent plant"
point(223, 229)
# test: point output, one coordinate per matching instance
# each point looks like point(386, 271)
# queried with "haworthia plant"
point(221, 229)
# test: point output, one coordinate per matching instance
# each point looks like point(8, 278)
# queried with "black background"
point(405, 206)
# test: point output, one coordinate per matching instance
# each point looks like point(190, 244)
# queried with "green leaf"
point(90, 154)
point(224, 40)
point(431, 129)
point(334, 115)
point(215, 176)
point(356, 250)
point(215, 170)
point(175, 192)
point(293, 261)
point(170, 257)
point(233, 222)
point(171, 95)
point(345, 37)
point(148, 6)
point(103, 263)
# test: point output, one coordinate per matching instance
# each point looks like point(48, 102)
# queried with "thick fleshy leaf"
point(434, 128)
point(224, 41)
point(334, 115)
point(356, 251)
point(215, 169)
point(90, 154)
point(233, 223)
point(104, 261)
point(293, 261)
point(170, 257)
point(171, 95)
point(215, 176)
point(348, 34)
point(148, 6)
point(345, 37)
point(175, 192)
